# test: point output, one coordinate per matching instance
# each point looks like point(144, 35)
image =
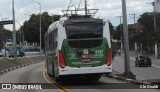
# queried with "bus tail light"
point(61, 60)
point(109, 58)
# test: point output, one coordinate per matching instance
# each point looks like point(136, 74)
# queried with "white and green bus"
point(78, 45)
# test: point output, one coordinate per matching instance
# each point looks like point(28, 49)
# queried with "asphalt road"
point(36, 74)
point(143, 72)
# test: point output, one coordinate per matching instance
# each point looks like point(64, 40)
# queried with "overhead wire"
point(35, 8)
point(94, 3)
point(64, 4)
point(25, 7)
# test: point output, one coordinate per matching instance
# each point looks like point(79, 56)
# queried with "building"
point(2, 37)
point(157, 5)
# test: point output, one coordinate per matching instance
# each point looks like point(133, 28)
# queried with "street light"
point(127, 72)
point(14, 33)
point(21, 32)
point(40, 28)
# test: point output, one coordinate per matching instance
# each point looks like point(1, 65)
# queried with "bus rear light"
point(109, 58)
point(61, 60)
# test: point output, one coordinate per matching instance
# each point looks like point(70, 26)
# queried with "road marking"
point(53, 83)
point(156, 66)
point(132, 58)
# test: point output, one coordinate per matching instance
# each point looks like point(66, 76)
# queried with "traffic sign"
point(6, 22)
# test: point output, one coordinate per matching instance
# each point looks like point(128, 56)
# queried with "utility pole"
point(155, 28)
point(14, 33)
point(127, 72)
point(22, 33)
point(40, 29)
point(134, 18)
point(155, 25)
point(121, 28)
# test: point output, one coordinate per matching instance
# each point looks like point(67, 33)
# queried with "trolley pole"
point(14, 33)
point(127, 72)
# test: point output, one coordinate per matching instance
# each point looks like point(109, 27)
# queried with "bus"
point(78, 45)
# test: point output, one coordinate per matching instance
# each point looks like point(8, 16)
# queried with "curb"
point(13, 68)
point(128, 80)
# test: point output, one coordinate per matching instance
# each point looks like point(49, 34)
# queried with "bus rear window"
point(84, 30)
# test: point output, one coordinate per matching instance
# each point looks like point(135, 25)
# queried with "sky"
point(108, 9)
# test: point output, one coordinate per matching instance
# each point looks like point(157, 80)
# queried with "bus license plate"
point(86, 56)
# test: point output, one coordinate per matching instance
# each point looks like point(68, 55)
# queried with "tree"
point(8, 33)
point(147, 36)
point(118, 33)
point(31, 27)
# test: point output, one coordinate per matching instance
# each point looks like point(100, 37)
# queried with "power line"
point(25, 6)
point(64, 4)
point(134, 17)
point(32, 1)
point(94, 3)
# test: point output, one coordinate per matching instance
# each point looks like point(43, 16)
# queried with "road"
point(36, 74)
point(142, 73)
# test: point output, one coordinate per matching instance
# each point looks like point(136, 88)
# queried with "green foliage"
point(32, 27)
point(147, 21)
point(118, 33)
point(148, 34)
point(8, 33)
point(111, 28)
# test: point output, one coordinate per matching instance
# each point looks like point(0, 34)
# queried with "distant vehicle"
point(10, 53)
point(1, 54)
point(20, 51)
point(9, 42)
point(143, 60)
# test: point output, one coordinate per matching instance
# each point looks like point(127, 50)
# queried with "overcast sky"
point(108, 9)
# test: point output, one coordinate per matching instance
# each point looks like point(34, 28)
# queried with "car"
point(10, 53)
point(20, 51)
point(143, 60)
point(1, 54)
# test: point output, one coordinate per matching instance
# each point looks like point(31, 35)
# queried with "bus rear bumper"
point(85, 70)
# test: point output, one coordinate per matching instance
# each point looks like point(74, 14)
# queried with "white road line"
point(156, 66)
point(132, 58)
